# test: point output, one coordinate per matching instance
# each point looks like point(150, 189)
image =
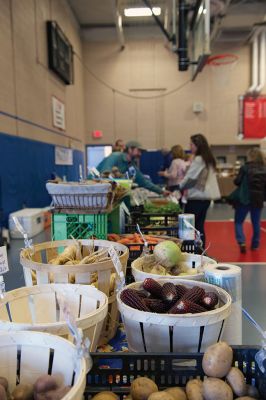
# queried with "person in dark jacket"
point(251, 182)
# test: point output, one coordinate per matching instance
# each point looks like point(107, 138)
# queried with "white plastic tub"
point(31, 219)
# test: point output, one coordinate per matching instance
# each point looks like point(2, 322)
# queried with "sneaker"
point(243, 248)
point(254, 247)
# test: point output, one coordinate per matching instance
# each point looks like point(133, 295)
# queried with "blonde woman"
point(249, 197)
point(177, 169)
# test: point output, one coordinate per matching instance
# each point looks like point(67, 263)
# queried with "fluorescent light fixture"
point(141, 11)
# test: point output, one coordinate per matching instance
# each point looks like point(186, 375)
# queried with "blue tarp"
point(25, 166)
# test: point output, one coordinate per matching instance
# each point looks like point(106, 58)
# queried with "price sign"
point(118, 267)
point(3, 260)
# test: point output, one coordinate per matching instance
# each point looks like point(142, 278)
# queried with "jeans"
point(199, 208)
point(240, 214)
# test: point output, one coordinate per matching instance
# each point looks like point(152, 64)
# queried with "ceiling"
point(232, 20)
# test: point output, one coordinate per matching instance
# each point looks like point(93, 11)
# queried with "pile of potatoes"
point(222, 382)
point(46, 387)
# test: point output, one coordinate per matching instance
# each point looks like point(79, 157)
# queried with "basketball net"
point(221, 67)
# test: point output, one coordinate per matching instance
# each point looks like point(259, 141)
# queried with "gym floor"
point(220, 229)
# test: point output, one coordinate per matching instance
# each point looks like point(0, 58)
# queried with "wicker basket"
point(192, 261)
point(150, 332)
point(94, 198)
point(39, 353)
point(83, 274)
point(36, 309)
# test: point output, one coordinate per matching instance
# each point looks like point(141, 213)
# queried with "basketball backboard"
point(199, 37)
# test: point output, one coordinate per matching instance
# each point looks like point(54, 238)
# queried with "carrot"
point(134, 248)
point(137, 238)
point(124, 241)
point(113, 237)
point(148, 237)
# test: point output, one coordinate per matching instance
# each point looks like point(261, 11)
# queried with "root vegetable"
point(194, 389)
point(4, 382)
point(45, 383)
point(23, 392)
point(142, 388)
point(236, 380)
point(177, 393)
point(105, 396)
point(56, 394)
point(216, 389)
point(3, 395)
point(246, 398)
point(168, 254)
point(161, 396)
point(217, 360)
point(252, 391)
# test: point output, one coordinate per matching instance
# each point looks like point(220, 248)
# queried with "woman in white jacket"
point(200, 181)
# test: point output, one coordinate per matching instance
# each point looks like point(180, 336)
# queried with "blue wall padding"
point(25, 166)
point(150, 163)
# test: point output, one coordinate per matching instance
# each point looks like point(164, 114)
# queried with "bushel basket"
point(150, 332)
point(37, 270)
point(37, 308)
point(25, 356)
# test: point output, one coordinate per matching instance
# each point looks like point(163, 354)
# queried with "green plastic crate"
point(79, 226)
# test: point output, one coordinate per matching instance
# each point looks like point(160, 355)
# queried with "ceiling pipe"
point(174, 24)
point(255, 57)
point(118, 24)
point(262, 62)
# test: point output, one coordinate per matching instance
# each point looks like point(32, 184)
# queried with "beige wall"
point(164, 121)
point(25, 81)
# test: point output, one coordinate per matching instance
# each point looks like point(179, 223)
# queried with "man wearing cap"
point(125, 162)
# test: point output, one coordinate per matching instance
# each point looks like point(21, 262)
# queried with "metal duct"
point(255, 56)
point(262, 62)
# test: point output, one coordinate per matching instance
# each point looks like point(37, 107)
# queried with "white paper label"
point(3, 260)
point(117, 265)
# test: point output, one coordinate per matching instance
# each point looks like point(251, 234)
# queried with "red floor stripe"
point(223, 246)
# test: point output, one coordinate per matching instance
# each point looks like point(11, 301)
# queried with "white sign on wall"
point(58, 111)
point(3, 260)
point(63, 156)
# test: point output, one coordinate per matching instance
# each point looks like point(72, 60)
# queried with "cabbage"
point(167, 254)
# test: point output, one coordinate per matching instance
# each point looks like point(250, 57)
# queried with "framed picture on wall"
point(63, 156)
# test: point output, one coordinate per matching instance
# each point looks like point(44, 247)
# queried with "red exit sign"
point(97, 134)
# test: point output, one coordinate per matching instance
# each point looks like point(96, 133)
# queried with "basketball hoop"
point(221, 66)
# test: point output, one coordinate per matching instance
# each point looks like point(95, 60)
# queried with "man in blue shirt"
point(126, 162)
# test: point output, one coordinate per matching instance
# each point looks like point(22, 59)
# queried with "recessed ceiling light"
point(141, 11)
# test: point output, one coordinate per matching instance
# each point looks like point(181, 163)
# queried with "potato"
point(3, 395)
point(141, 388)
point(217, 360)
point(194, 389)
point(216, 389)
point(160, 396)
point(105, 396)
point(45, 383)
point(4, 382)
point(56, 394)
point(252, 391)
point(245, 398)
point(236, 380)
point(177, 393)
point(23, 391)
